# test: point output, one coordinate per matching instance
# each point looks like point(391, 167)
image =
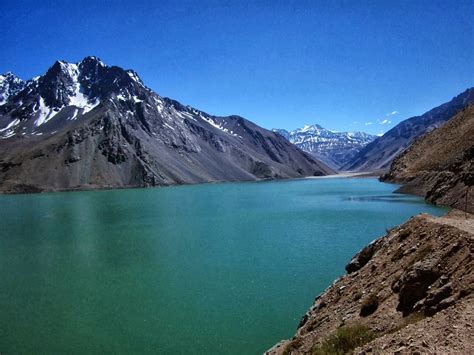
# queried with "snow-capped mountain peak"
point(89, 124)
point(335, 148)
point(310, 128)
point(73, 89)
point(10, 84)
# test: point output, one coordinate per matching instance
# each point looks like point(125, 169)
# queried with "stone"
point(413, 284)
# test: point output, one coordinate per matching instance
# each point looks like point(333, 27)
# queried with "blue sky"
point(342, 64)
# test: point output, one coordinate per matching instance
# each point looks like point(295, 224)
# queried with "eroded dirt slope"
point(411, 289)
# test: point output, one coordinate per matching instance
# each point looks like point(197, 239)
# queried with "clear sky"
point(347, 65)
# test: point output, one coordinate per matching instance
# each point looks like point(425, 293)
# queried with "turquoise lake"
point(207, 269)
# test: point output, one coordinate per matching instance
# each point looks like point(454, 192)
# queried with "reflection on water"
point(386, 198)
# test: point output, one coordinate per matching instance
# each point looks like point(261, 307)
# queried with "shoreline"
point(421, 318)
point(36, 190)
point(345, 175)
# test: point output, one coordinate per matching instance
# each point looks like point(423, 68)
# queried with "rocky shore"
point(409, 291)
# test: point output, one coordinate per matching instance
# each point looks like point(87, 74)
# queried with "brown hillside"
point(440, 165)
point(409, 291)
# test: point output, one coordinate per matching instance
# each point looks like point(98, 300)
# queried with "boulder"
point(413, 284)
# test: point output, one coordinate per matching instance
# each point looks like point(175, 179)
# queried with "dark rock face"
point(362, 257)
point(334, 148)
point(437, 299)
point(413, 284)
point(88, 125)
point(379, 154)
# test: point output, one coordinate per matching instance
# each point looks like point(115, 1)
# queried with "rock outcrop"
point(399, 294)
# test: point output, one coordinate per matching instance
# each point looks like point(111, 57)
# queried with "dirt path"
point(455, 218)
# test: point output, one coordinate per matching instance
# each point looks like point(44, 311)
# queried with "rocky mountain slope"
point(410, 291)
point(379, 154)
point(440, 164)
point(333, 148)
point(89, 125)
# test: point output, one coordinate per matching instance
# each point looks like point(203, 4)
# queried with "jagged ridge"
point(334, 148)
point(88, 125)
point(379, 154)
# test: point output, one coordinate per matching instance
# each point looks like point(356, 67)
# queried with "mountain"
point(89, 125)
point(334, 148)
point(440, 164)
point(9, 86)
point(379, 154)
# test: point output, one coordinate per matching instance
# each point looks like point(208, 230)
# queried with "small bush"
point(346, 339)
point(398, 254)
point(403, 234)
point(369, 305)
point(411, 319)
point(358, 296)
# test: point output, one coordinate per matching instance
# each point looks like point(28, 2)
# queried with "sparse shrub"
point(414, 318)
point(397, 255)
point(403, 234)
point(357, 296)
point(345, 339)
point(411, 319)
point(369, 305)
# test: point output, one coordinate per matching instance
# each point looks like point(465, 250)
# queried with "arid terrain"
point(440, 164)
point(407, 292)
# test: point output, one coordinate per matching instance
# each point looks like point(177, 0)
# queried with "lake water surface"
point(223, 268)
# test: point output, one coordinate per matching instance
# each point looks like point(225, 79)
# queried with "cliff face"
point(440, 165)
point(410, 290)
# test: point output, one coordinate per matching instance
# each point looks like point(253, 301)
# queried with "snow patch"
point(74, 115)
point(13, 123)
point(136, 99)
point(45, 112)
point(8, 134)
point(218, 126)
point(78, 99)
point(134, 77)
point(167, 125)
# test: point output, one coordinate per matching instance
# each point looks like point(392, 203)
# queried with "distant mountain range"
point(334, 148)
point(89, 125)
point(379, 154)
